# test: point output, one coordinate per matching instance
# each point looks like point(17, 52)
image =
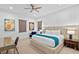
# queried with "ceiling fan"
point(33, 8)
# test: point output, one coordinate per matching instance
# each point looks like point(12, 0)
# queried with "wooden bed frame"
point(46, 49)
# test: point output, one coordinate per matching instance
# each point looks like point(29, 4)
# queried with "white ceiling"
point(46, 8)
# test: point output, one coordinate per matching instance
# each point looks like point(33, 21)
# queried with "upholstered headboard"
point(53, 30)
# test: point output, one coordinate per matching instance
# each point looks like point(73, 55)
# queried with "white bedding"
point(61, 37)
point(48, 41)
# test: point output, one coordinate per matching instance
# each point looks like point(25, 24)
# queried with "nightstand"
point(71, 44)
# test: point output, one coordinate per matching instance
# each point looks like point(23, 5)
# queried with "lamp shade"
point(70, 32)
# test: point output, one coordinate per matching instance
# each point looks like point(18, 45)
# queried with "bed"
point(48, 43)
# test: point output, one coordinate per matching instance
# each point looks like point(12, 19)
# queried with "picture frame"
point(22, 25)
point(9, 25)
point(39, 25)
point(31, 26)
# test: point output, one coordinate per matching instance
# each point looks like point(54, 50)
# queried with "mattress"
point(47, 41)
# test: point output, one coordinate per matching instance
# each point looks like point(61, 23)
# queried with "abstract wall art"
point(9, 25)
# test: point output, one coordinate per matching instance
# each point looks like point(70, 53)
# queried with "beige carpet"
point(24, 47)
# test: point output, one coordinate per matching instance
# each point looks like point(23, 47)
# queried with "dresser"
point(72, 44)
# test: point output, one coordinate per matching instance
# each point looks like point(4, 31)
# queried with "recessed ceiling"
point(19, 8)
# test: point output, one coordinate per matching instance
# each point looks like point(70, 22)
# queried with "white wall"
point(68, 16)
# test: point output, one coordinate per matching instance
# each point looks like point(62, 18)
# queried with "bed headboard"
point(53, 30)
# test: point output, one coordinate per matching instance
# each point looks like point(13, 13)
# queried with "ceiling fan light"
point(10, 7)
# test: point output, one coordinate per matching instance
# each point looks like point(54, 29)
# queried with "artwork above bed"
point(39, 25)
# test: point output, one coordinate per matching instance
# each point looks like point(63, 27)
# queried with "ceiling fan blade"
point(27, 8)
point(32, 5)
point(38, 7)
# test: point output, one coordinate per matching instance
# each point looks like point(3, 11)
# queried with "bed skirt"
point(47, 49)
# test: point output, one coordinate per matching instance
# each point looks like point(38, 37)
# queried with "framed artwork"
point(22, 25)
point(31, 26)
point(39, 25)
point(9, 25)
